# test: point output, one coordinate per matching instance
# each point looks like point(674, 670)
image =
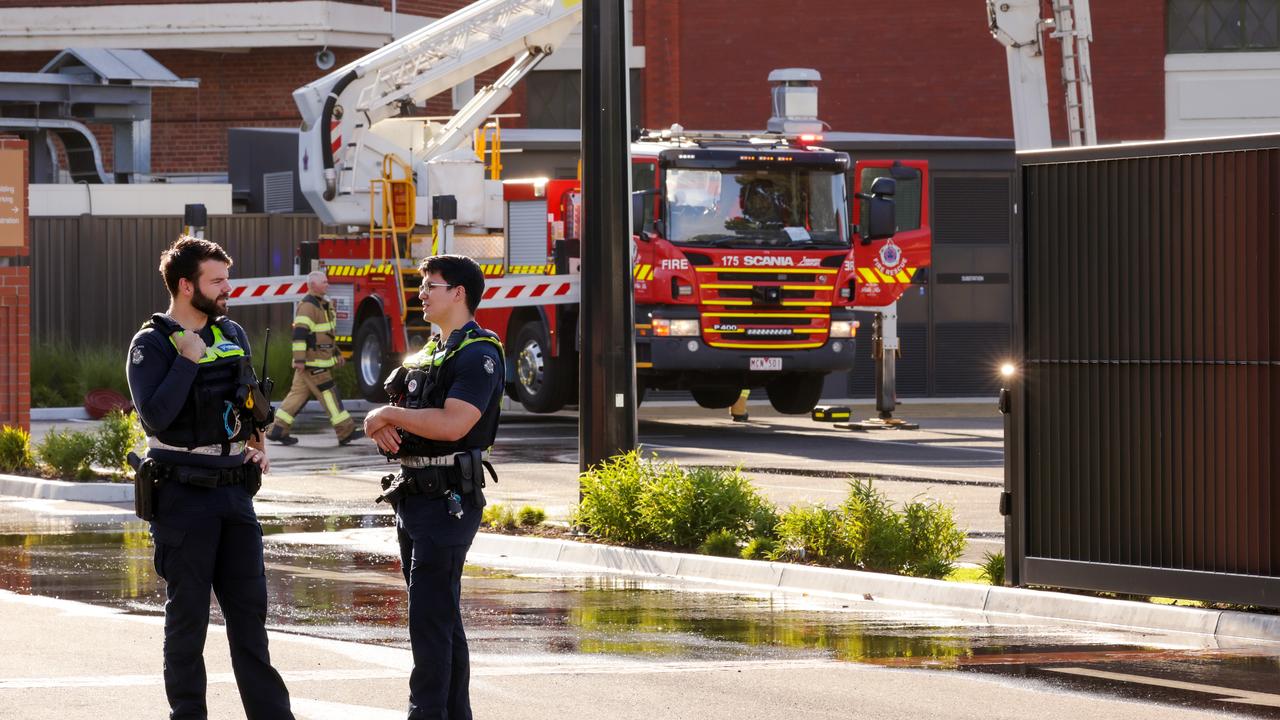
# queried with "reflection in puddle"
point(334, 592)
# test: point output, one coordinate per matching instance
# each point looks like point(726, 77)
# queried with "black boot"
point(277, 434)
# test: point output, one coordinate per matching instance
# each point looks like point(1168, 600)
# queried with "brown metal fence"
point(1144, 445)
point(94, 280)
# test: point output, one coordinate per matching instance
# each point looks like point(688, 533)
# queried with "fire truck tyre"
point(796, 393)
point(372, 358)
point(542, 381)
point(715, 398)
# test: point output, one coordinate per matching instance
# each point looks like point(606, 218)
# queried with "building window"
point(1202, 26)
point(555, 98)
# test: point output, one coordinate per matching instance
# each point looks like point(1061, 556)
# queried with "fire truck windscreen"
point(789, 208)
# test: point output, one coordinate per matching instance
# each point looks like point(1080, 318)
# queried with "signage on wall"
point(13, 198)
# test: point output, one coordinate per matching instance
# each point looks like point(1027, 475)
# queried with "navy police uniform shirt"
point(160, 381)
point(474, 375)
point(470, 378)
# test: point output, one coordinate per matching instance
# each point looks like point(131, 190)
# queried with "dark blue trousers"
point(433, 548)
point(209, 539)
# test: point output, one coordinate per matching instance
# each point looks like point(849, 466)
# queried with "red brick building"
point(928, 67)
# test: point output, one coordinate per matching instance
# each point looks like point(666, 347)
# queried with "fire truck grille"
point(785, 294)
point(774, 276)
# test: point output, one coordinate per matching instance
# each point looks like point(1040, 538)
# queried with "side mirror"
point(884, 186)
point(642, 212)
point(881, 221)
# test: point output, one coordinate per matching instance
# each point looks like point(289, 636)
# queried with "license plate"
point(766, 363)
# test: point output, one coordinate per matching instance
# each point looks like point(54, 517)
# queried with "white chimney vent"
point(795, 101)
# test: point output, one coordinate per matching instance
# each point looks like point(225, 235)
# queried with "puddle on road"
point(333, 592)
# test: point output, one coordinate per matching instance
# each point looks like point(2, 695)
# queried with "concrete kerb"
point(89, 492)
point(899, 589)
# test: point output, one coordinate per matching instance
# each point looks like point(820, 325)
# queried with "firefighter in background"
point(738, 410)
point(315, 354)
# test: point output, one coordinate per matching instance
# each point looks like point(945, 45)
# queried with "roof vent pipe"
point(795, 101)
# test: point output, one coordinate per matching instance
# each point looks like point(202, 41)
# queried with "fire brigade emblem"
point(136, 356)
point(891, 260)
point(488, 365)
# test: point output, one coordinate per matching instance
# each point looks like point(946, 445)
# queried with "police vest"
point(419, 387)
point(214, 412)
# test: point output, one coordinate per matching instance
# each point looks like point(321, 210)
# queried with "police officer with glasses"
point(442, 419)
point(204, 412)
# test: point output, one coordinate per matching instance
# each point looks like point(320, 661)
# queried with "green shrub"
point(530, 516)
point(934, 542)
point(683, 507)
point(118, 434)
point(760, 548)
point(763, 522)
point(68, 454)
point(499, 516)
point(879, 540)
point(721, 543)
point(823, 535)
point(55, 375)
point(101, 368)
point(993, 567)
point(611, 491)
point(15, 449)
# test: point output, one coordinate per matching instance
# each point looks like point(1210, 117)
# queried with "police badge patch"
point(136, 356)
point(488, 365)
point(413, 385)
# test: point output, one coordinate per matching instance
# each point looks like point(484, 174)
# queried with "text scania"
point(767, 261)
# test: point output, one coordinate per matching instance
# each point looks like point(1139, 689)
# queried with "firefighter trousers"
point(317, 383)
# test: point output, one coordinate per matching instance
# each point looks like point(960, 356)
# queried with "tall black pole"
point(607, 379)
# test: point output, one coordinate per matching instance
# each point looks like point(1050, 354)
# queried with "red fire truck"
point(751, 251)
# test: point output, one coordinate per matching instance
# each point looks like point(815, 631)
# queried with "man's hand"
point(257, 455)
point(387, 439)
point(341, 359)
point(380, 427)
point(191, 346)
point(379, 418)
point(299, 364)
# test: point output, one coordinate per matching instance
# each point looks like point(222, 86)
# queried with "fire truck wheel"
point(372, 359)
point(542, 381)
point(715, 398)
point(796, 393)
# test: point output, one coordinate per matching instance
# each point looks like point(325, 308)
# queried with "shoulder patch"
point(135, 357)
point(488, 364)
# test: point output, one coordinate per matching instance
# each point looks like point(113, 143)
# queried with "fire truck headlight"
point(844, 328)
point(684, 328)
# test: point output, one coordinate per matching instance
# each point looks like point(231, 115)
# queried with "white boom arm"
point(348, 116)
point(1016, 24)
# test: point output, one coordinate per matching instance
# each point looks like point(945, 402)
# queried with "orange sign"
point(13, 198)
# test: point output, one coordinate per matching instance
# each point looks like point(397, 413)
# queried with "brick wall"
point(15, 327)
point(927, 67)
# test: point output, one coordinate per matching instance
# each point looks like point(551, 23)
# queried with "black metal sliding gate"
point(1143, 440)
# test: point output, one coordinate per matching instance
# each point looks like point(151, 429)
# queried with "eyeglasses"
point(433, 285)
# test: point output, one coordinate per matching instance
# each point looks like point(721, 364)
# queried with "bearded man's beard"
point(213, 307)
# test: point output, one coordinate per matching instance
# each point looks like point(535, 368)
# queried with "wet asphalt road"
point(542, 612)
point(537, 612)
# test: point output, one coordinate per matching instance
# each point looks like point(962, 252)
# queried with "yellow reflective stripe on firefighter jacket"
point(313, 333)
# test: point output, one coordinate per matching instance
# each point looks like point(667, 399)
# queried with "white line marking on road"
point(308, 709)
point(1225, 694)
point(572, 666)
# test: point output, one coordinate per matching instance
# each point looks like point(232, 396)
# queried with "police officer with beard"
point(193, 387)
point(443, 418)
